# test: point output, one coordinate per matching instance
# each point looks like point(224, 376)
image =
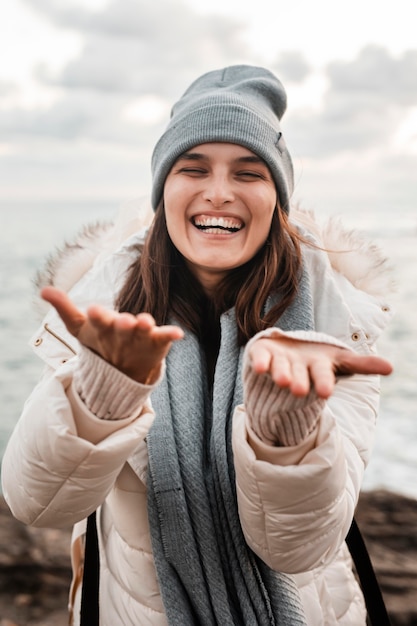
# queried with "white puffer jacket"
point(295, 504)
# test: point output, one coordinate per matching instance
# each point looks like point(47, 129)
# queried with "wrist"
point(278, 417)
point(107, 392)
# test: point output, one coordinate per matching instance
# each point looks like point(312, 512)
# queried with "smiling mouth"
point(215, 224)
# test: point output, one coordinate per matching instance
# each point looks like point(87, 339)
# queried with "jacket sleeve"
point(51, 475)
point(296, 503)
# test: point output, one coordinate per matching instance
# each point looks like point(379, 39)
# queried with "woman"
point(191, 394)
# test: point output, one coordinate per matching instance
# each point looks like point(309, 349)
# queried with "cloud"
point(366, 100)
point(136, 60)
point(136, 19)
point(292, 66)
point(141, 47)
point(132, 50)
point(7, 88)
point(377, 74)
point(81, 115)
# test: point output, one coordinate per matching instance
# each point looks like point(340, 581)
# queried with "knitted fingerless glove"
point(277, 417)
point(106, 391)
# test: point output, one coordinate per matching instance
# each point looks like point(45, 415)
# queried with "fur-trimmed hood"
point(350, 252)
point(65, 266)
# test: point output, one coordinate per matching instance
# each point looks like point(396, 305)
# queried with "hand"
point(133, 344)
point(299, 365)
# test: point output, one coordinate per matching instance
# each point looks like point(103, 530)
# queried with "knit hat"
point(240, 104)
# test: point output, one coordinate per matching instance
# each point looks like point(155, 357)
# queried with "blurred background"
point(86, 88)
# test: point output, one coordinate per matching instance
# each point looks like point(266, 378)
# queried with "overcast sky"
point(86, 88)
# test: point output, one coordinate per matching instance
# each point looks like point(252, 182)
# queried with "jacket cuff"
point(106, 391)
point(311, 336)
point(278, 417)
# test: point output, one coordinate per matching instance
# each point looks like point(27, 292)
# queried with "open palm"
point(134, 344)
point(299, 365)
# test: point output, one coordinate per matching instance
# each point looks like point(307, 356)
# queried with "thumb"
point(72, 317)
point(359, 364)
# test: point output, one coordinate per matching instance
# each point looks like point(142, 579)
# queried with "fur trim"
point(64, 267)
point(361, 261)
point(351, 253)
point(68, 263)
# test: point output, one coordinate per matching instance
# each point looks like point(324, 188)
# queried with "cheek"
point(175, 201)
point(172, 210)
point(175, 224)
point(262, 227)
point(265, 200)
point(264, 217)
point(174, 228)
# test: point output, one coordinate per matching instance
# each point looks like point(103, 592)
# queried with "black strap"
point(372, 593)
point(375, 606)
point(89, 614)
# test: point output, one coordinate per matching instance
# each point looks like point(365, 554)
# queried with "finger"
point(300, 379)
point(145, 321)
point(322, 377)
point(100, 317)
point(168, 333)
point(72, 317)
point(260, 358)
point(352, 363)
point(281, 370)
point(124, 322)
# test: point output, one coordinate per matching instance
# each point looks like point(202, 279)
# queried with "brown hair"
point(160, 283)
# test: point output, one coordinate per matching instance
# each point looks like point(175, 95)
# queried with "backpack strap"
point(89, 614)
point(375, 605)
point(374, 600)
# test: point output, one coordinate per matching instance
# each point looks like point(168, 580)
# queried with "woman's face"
point(219, 201)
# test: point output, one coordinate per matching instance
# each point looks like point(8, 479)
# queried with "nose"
point(218, 190)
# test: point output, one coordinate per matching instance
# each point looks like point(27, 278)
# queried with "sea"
point(30, 231)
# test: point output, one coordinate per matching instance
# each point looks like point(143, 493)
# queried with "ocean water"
point(30, 231)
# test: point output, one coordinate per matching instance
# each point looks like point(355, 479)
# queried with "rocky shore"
point(35, 565)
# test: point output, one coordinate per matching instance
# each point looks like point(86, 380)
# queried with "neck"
point(208, 280)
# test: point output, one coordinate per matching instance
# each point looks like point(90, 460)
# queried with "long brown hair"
point(160, 283)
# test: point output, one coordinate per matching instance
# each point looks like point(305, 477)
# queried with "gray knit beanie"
point(240, 104)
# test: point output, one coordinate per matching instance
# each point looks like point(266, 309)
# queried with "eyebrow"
point(197, 156)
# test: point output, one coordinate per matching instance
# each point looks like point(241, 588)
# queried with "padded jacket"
point(295, 503)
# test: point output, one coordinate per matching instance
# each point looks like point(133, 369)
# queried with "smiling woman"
point(190, 407)
point(219, 201)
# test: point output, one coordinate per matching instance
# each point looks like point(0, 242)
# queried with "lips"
point(212, 224)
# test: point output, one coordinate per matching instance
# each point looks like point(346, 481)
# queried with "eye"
point(250, 175)
point(193, 171)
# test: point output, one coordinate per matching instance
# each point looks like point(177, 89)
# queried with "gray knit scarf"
point(207, 573)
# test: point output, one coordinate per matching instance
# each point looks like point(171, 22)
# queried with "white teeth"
point(219, 222)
